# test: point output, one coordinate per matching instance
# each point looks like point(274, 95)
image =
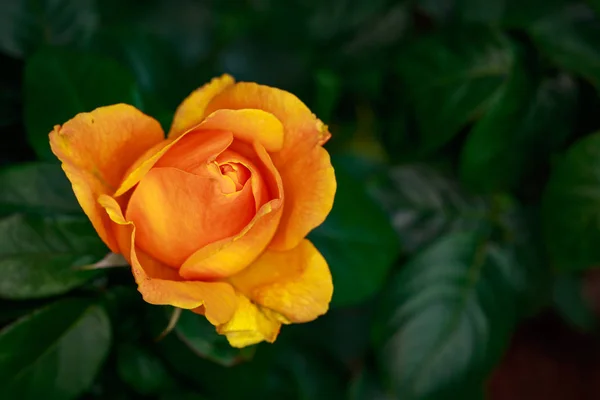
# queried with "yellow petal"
point(96, 150)
point(161, 285)
point(191, 111)
point(250, 324)
point(249, 126)
point(305, 168)
point(295, 283)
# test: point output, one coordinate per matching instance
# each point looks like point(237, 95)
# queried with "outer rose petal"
point(305, 168)
point(295, 283)
point(157, 284)
point(250, 324)
point(191, 111)
point(96, 150)
point(309, 185)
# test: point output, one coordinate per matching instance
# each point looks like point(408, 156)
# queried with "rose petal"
point(204, 145)
point(295, 283)
point(309, 185)
point(158, 283)
point(176, 213)
point(194, 150)
point(305, 168)
point(191, 111)
point(248, 126)
point(96, 150)
point(250, 324)
point(229, 256)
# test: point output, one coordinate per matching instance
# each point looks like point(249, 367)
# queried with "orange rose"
point(214, 218)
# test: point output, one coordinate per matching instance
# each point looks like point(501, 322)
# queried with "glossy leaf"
point(141, 369)
point(198, 336)
point(41, 256)
point(570, 38)
point(60, 350)
point(58, 85)
point(360, 247)
point(568, 298)
point(36, 188)
point(511, 13)
point(448, 316)
point(26, 25)
point(522, 127)
point(570, 205)
point(452, 77)
point(424, 204)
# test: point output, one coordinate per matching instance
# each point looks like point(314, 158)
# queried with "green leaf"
point(151, 61)
point(26, 25)
point(58, 85)
point(570, 207)
point(360, 247)
point(141, 369)
point(199, 336)
point(570, 303)
point(570, 38)
point(448, 316)
point(425, 204)
point(54, 353)
point(342, 333)
point(511, 13)
point(367, 386)
point(452, 77)
point(39, 256)
point(519, 131)
point(36, 188)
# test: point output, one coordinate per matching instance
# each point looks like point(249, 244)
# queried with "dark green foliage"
point(467, 158)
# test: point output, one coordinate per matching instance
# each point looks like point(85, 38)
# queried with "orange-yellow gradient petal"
point(203, 146)
point(192, 152)
point(295, 283)
point(250, 324)
point(309, 185)
point(305, 168)
point(227, 257)
point(249, 126)
point(159, 284)
point(96, 149)
point(176, 213)
point(191, 111)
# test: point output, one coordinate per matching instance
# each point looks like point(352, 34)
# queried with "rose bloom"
point(213, 218)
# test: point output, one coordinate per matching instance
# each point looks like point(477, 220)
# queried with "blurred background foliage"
point(465, 229)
